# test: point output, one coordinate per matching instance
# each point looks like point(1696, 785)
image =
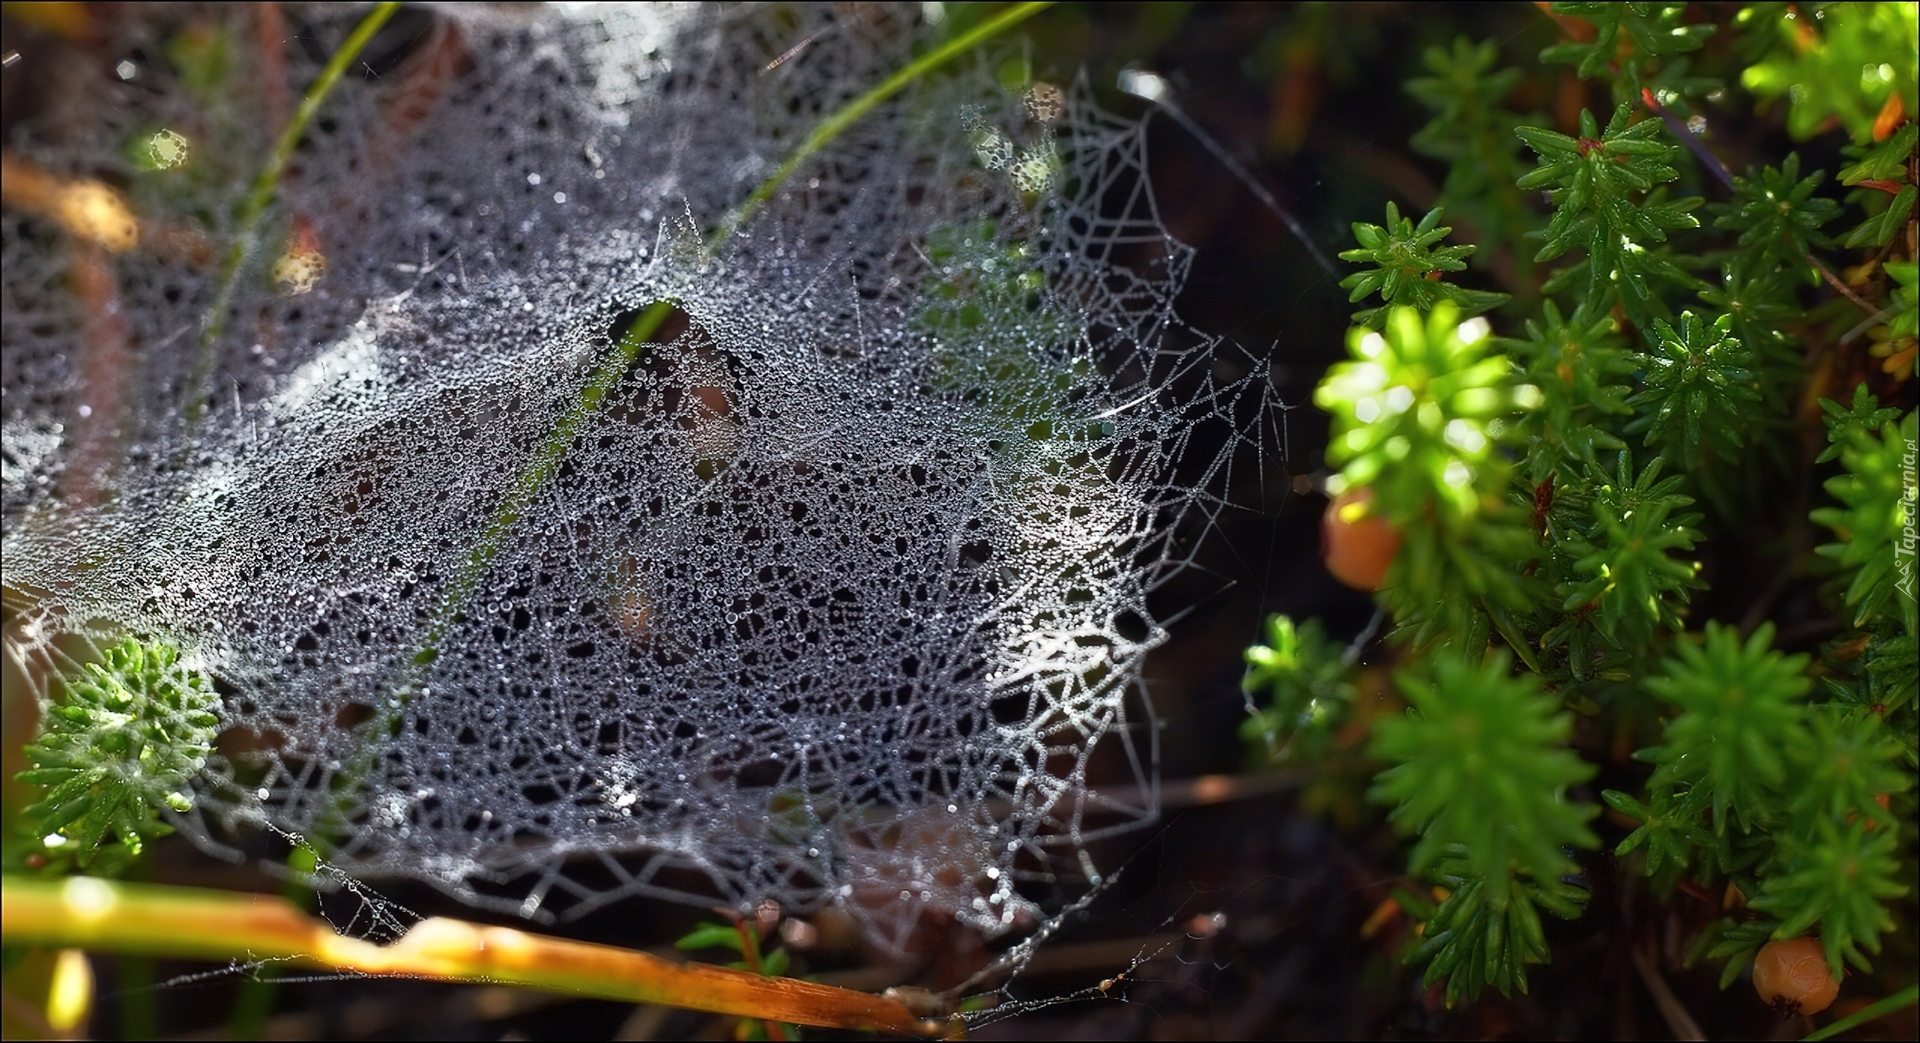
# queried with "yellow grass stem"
point(196, 923)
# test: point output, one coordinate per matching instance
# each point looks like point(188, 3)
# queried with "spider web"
point(838, 597)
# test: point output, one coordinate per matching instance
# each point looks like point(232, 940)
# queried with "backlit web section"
point(835, 596)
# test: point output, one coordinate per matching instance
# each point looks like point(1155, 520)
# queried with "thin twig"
point(750, 953)
point(1687, 138)
point(1864, 325)
point(1364, 638)
point(1679, 1022)
point(1845, 290)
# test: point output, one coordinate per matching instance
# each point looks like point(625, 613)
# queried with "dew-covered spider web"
point(838, 595)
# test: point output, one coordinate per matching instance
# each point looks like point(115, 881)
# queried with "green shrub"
point(1544, 482)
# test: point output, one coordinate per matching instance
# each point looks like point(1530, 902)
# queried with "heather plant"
point(1559, 468)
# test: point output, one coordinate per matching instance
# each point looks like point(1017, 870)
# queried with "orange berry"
point(1792, 976)
point(1358, 545)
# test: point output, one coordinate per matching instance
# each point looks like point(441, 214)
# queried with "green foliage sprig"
point(1414, 412)
point(1420, 415)
point(1569, 532)
point(1638, 586)
point(1486, 932)
point(123, 742)
point(1300, 673)
point(1776, 212)
point(1601, 185)
point(1580, 367)
point(1786, 796)
point(1409, 269)
point(1473, 132)
point(1652, 29)
point(1839, 878)
point(1698, 388)
point(1838, 861)
point(1875, 508)
point(1740, 714)
point(1479, 770)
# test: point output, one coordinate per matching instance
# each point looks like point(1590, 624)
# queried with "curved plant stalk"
point(197, 923)
point(254, 208)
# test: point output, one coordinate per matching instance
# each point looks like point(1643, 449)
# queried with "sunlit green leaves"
point(1408, 270)
point(1419, 416)
point(1698, 390)
point(1652, 28)
point(1599, 183)
point(120, 746)
point(1839, 62)
point(1415, 412)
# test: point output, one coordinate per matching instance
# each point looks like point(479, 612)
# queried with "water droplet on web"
point(167, 149)
point(378, 536)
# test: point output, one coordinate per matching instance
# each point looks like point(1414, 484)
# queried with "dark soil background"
point(1247, 910)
